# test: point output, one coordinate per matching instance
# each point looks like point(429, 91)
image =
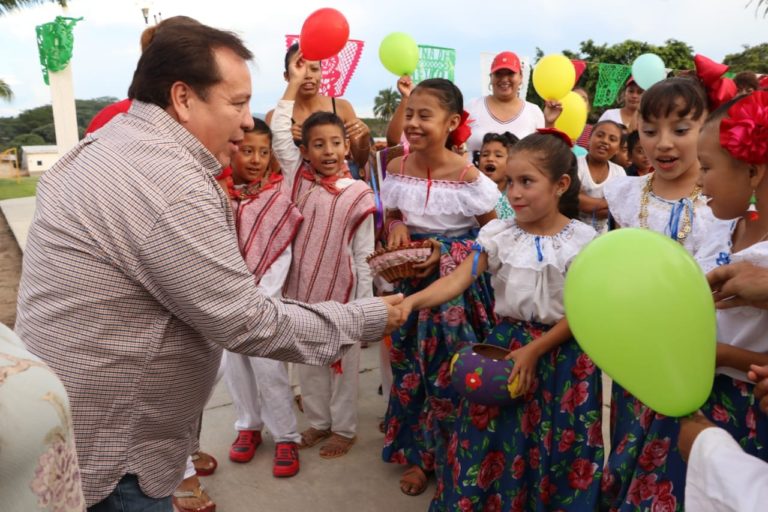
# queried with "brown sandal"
point(190, 496)
point(312, 436)
point(414, 481)
point(337, 446)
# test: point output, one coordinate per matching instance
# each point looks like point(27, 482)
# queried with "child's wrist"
point(392, 224)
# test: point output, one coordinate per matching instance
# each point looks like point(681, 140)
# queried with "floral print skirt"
point(644, 470)
point(732, 406)
point(422, 402)
point(545, 452)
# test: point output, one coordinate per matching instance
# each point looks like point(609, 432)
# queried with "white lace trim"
point(509, 245)
point(468, 198)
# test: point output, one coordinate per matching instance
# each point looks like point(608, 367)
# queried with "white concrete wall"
point(38, 163)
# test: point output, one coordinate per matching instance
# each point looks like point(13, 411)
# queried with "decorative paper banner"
point(435, 62)
point(611, 79)
point(486, 58)
point(338, 70)
point(55, 42)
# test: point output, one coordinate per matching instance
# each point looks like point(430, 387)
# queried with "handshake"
point(398, 310)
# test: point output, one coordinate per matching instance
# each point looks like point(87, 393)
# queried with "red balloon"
point(324, 34)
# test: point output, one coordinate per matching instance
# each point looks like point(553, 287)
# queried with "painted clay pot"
point(480, 373)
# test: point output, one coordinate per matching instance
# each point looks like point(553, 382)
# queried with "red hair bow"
point(461, 133)
point(719, 89)
point(557, 133)
point(744, 133)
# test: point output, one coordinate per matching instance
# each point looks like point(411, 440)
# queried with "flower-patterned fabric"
point(422, 402)
point(544, 452)
point(38, 463)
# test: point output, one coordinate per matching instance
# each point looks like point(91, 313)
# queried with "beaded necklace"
point(686, 215)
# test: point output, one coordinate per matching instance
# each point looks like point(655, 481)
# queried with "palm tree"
point(385, 104)
point(760, 4)
point(9, 5)
point(5, 91)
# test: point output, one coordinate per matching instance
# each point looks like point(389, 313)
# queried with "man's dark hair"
point(182, 53)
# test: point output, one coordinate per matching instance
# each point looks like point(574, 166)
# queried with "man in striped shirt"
point(133, 281)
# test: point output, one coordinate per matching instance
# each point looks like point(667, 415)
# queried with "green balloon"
point(399, 53)
point(640, 306)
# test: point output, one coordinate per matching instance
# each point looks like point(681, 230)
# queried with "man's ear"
point(181, 99)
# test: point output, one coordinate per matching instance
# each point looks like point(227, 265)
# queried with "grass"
point(12, 188)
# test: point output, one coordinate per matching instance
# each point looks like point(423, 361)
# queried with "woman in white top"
point(503, 110)
point(628, 113)
point(595, 170)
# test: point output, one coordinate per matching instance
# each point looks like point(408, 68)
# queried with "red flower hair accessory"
point(461, 133)
point(557, 133)
point(744, 133)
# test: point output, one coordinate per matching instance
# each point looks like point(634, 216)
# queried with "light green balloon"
point(399, 53)
point(640, 306)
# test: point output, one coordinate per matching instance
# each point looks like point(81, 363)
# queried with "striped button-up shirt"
point(132, 285)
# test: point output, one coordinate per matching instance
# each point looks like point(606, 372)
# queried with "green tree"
point(385, 103)
point(760, 4)
point(751, 58)
point(676, 55)
point(5, 91)
point(10, 5)
point(27, 139)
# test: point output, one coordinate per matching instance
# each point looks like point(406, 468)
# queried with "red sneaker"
point(286, 460)
point(245, 445)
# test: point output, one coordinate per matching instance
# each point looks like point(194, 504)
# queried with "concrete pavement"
point(19, 213)
point(357, 482)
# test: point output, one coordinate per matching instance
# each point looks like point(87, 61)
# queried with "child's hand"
point(526, 358)
point(406, 306)
point(296, 131)
point(357, 130)
point(552, 110)
point(759, 375)
point(398, 236)
point(432, 263)
point(297, 67)
point(395, 314)
point(404, 86)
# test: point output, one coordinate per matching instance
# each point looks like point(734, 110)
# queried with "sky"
point(107, 40)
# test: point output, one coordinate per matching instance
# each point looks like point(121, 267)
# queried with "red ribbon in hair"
point(719, 89)
point(461, 133)
point(744, 133)
point(557, 133)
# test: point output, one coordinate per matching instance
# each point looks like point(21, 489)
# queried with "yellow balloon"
point(553, 76)
point(514, 387)
point(573, 117)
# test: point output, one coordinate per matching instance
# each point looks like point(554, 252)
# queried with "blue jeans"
point(127, 497)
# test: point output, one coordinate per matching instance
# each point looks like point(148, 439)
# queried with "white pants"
point(330, 398)
point(262, 396)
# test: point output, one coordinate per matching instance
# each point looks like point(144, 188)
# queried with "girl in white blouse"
point(432, 193)
point(547, 447)
point(733, 152)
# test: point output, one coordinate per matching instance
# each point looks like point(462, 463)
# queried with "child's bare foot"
point(336, 446)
